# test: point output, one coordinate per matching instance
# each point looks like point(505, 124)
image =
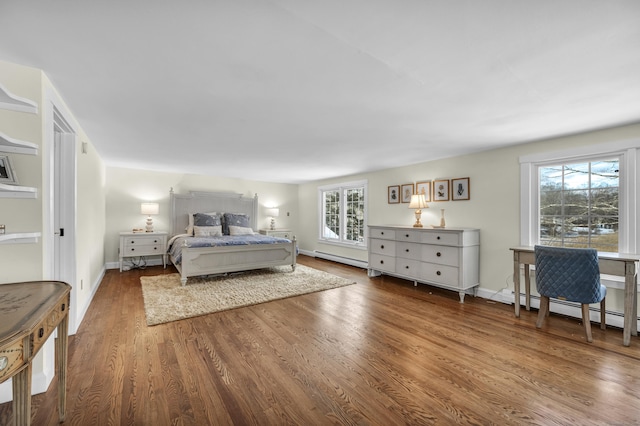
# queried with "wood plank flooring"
point(380, 352)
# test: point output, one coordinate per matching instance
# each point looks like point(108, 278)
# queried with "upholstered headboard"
point(203, 202)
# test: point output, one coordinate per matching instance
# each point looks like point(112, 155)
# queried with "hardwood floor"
point(381, 352)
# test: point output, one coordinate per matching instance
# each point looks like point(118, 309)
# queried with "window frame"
point(341, 187)
point(629, 208)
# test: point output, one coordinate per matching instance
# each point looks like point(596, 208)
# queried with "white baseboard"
point(335, 258)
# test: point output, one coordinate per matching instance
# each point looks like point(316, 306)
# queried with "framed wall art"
point(460, 189)
point(7, 175)
point(407, 192)
point(441, 190)
point(424, 188)
point(393, 194)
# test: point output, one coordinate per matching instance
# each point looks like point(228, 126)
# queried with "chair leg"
point(587, 322)
point(544, 310)
point(603, 315)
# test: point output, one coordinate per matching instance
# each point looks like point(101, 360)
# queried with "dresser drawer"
point(409, 235)
point(442, 238)
point(409, 251)
point(442, 274)
point(11, 358)
point(443, 255)
point(385, 247)
point(383, 234)
point(408, 267)
point(382, 263)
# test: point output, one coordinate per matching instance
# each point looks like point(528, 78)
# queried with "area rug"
point(165, 300)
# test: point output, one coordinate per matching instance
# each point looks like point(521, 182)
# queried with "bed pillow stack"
point(207, 225)
point(236, 224)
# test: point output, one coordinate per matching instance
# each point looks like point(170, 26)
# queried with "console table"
point(619, 264)
point(29, 312)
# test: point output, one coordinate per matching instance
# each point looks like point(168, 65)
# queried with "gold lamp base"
point(418, 224)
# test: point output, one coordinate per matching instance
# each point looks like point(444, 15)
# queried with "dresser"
point(136, 244)
point(443, 257)
point(29, 313)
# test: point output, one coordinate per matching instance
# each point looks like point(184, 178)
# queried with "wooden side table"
point(29, 312)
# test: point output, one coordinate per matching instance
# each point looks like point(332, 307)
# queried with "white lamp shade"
point(418, 202)
point(273, 212)
point(149, 208)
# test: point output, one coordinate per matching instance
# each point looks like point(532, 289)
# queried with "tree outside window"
point(579, 204)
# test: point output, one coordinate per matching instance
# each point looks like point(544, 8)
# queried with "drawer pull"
point(382, 233)
point(155, 248)
point(438, 254)
point(41, 332)
point(382, 246)
point(133, 249)
point(132, 242)
point(438, 273)
point(382, 262)
point(406, 250)
point(438, 237)
point(406, 235)
point(155, 241)
point(406, 267)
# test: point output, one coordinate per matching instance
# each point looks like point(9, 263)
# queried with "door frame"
point(57, 118)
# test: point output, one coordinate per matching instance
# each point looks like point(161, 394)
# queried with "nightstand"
point(136, 244)
point(282, 233)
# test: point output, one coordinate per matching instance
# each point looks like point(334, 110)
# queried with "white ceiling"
point(299, 90)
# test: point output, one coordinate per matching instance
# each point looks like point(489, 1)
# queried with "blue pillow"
point(202, 219)
point(235, 219)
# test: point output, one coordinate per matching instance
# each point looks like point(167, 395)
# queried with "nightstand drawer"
point(142, 249)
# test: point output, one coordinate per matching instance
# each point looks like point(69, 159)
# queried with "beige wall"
point(494, 207)
point(22, 262)
point(28, 262)
point(127, 188)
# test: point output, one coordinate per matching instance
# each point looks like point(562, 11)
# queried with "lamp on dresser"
point(418, 202)
point(149, 209)
point(273, 213)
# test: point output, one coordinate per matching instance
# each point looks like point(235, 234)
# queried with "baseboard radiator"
point(340, 259)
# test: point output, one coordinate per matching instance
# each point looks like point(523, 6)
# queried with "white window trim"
point(629, 152)
point(341, 187)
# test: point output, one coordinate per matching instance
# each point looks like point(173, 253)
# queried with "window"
point(579, 204)
point(583, 197)
point(343, 213)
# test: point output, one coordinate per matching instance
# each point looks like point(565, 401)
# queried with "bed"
point(193, 257)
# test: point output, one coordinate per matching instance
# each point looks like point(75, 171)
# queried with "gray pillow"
point(235, 219)
point(202, 219)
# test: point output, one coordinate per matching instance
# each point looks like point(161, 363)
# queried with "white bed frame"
point(218, 260)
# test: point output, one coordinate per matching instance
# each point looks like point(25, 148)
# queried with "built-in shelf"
point(17, 146)
point(19, 238)
point(16, 103)
point(15, 191)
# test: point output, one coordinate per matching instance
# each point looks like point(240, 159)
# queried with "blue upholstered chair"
point(569, 274)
